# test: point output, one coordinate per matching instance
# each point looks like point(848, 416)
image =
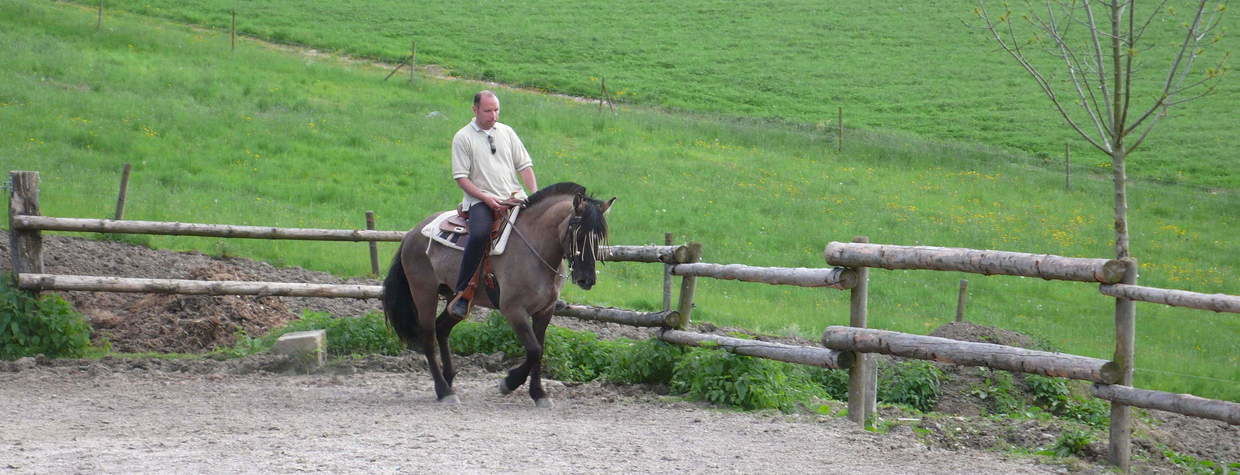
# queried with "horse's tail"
point(398, 306)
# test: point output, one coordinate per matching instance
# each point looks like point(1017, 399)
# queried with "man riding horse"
point(487, 156)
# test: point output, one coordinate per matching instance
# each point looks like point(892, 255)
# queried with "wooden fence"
point(846, 347)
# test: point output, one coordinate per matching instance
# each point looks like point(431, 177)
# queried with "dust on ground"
point(238, 394)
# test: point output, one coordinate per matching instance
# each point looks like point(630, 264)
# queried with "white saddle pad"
point(431, 230)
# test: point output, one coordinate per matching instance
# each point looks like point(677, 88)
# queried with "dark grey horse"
point(560, 222)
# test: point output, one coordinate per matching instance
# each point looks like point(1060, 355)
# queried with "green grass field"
point(264, 137)
point(916, 67)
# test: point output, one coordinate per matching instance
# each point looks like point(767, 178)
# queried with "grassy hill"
point(268, 137)
point(917, 67)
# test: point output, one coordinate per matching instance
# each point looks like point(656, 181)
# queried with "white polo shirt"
point(493, 173)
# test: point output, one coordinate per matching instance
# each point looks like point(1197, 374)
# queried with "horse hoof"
point(503, 388)
point(544, 403)
point(450, 400)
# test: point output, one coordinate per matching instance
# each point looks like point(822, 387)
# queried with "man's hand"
point(492, 202)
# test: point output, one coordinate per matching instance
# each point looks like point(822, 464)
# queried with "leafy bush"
point(577, 356)
point(911, 383)
point(748, 383)
point(647, 361)
point(47, 325)
point(490, 336)
point(363, 335)
point(998, 391)
point(1072, 442)
point(833, 381)
point(1053, 395)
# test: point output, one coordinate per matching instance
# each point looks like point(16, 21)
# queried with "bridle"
point(574, 228)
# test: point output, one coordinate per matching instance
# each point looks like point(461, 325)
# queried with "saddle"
point(450, 229)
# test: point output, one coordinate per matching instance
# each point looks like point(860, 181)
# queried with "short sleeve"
point(520, 157)
point(462, 160)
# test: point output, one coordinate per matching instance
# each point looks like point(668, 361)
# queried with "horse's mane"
point(559, 189)
point(592, 219)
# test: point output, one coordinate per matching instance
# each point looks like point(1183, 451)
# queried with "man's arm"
point(531, 181)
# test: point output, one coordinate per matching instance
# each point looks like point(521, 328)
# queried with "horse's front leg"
point(520, 323)
point(541, 320)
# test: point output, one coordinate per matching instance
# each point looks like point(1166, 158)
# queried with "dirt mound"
point(181, 323)
point(965, 331)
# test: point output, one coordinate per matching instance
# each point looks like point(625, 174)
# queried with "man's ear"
point(607, 205)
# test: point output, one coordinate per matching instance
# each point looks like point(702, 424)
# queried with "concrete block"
point(308, 348)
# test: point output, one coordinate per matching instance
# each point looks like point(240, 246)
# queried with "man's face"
point(486, 112)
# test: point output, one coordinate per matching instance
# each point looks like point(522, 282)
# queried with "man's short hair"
point(483, 93)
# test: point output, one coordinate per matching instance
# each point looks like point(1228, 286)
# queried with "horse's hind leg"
point(443, 328)
point(428, 336)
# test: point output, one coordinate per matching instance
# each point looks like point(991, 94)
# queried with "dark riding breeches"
point(480, 221)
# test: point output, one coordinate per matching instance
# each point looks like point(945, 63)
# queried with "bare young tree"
point(1098, 46)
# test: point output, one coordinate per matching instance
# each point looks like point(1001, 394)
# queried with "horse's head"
point(587, 229)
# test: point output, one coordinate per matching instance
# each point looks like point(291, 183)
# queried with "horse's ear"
point(577, 200)
point(607, 205)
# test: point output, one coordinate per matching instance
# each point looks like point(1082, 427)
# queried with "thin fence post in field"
point(862, 371)
point(961, 298)
point(1125, 350)
point(232, 36)
point(99, 22)
point(1067, 167)
point(413, 58)
point(667, 277)
point(839, 135)
point(602, 92)
point(124, 191)
point(374, 247)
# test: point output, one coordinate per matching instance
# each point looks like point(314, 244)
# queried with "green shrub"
point(492, 335)
point(1072, 442)
point(577, 356)
point(648, 361)
point(47, 325)
point(740, 381)
point(911, 383)
point(1053, 395)
point(833, 381)
point(998, 392)
point(363, 335)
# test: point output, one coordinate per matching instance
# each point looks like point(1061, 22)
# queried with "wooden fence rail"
point(806, 355)
point(1186, 404)
point(666, 318)
point(47, 223)
point(837, 278)
point(41, 282)
point(966, 353)
point(1174, 298)
point(976, 261)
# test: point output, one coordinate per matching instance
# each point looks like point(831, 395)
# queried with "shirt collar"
point(474, 123)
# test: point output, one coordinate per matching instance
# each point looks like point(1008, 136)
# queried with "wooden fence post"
point(120, 196)
point(374, 246)
point(413, 59)
point(99, 23)
point(667, 277)
point(232, 36)
point(1067, 167)
point(25, 247)
point(687, 285)
point(839, 136)
point(961, 299)
point(861, 378)
point(1125, 346)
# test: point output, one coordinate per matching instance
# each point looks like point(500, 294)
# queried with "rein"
point(529, 246)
